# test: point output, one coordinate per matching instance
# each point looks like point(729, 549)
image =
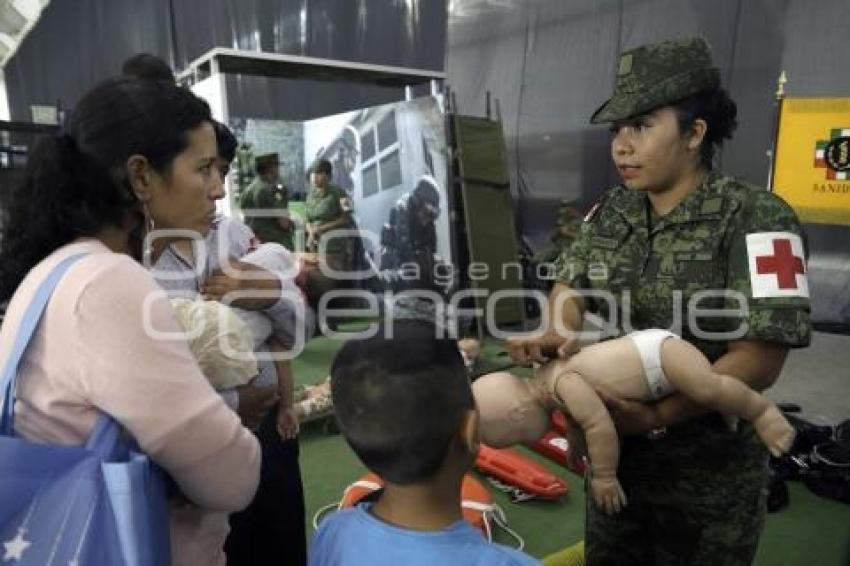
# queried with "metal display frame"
point(220, 61)
point(206, 77)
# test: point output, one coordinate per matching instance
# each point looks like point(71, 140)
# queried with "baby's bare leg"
point(586, 408)
point(287, 420)
point(691, 373)
point(614, 366)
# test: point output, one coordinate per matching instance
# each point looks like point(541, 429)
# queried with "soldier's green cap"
point(321, 166)
point(267, 159)
point(658, 74)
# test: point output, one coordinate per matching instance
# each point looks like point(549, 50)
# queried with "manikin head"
point(509, 411)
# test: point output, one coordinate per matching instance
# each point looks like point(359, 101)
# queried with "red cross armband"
point(777, 265)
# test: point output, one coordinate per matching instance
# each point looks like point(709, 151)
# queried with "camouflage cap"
point(267, 159)
point(321, 166)
point(654, 75)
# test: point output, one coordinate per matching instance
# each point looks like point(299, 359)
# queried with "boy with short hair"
point(405, 406)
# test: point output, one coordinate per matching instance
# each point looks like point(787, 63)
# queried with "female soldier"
point(667, 248)
point(135, 156)
point(327, 209)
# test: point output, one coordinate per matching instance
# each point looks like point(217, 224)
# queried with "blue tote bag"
point(101, 504)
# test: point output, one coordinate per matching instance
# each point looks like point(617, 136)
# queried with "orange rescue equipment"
point(508, 466)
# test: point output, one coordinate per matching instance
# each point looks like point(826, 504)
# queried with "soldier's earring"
point(147, 246)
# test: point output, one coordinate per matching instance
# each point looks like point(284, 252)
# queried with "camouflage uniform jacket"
point(324, 209)
point(644, 263)
point(265, 196)
point(403, 241)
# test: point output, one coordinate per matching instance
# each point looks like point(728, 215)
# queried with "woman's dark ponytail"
point(46, 210)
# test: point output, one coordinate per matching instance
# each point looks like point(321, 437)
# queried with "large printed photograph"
point(388, 166)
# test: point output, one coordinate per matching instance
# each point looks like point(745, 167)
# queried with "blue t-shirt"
point(354, 536)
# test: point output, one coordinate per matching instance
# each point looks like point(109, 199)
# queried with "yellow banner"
point(812, 162)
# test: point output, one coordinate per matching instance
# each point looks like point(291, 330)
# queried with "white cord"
point(498, 517)
point(488, 532)
point(322, 511)
point(490, 512)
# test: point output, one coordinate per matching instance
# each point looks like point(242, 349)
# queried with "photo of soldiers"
point(409, 238)
point(267, 193)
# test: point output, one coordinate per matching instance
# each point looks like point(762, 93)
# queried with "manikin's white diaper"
point(648, 343)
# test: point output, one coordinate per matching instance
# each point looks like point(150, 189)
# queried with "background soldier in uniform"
point(266, 193)
point(696, 489)
point(410, 237)
point(566, 229)
point(409, 252)
point(245, 167)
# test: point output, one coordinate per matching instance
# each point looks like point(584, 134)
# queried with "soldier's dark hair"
point(720, 114)
point(225, 142)
point(262, 167)
point(426, 192)
point(399, 401)
point(147, 67)
point(76, 183)
point(322, 166)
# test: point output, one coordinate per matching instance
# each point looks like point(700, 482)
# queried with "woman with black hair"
point(135, 157)
point(271, 529)
point(717, 261)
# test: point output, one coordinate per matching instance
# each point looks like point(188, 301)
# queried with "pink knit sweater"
point(94, 351)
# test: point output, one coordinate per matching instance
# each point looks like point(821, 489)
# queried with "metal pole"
point(780, 98)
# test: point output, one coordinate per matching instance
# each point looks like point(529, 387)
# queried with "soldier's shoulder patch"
point(591, 214)
point(597, 206)
point(777, 265)
point(711, 206)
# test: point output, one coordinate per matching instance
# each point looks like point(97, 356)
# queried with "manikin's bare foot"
point(775, 431)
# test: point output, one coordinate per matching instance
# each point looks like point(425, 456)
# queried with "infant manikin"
point(277, 259)
point(642, 366)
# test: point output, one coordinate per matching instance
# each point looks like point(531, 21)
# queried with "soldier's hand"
point(547, 347)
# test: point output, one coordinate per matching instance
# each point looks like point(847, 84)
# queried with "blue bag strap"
point(29, 323)
point(104, 439)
